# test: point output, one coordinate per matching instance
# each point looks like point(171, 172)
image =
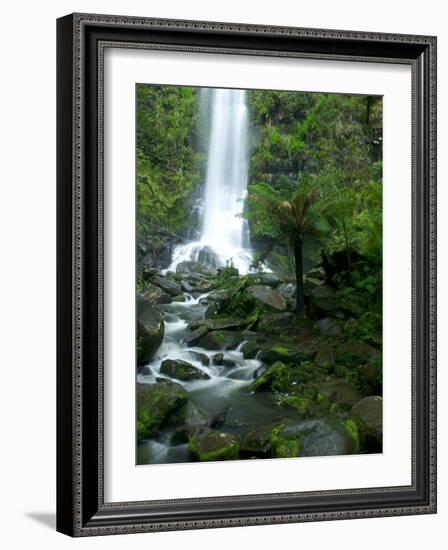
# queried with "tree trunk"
point(300, 295)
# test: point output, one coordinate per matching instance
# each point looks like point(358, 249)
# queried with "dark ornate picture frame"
point(81, 509)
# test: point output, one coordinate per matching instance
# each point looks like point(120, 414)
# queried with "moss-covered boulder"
point(257, 442)
point(206, 445)
point(315, 437)
point(275, 378)
point(286, 354)
point(354, 352)
point(155, 404)
point(298, 403)
point(182, 370)
point(190, 415)
point(193, 337)
point(341, 392)
point(220, 340)
point(191, 266)
point(368, 412)
point(250, 349)
point(324, 299)
point(324, 358)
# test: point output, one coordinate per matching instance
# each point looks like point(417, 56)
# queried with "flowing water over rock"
point(224, 233)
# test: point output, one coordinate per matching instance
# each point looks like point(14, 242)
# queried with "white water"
point(224, 233)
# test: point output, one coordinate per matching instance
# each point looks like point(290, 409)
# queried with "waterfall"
point(224, 233)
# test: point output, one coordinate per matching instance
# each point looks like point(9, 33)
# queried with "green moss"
point(300, 404)
point(352, 430)
point(210, 446)
point(283, 446)
point(276, 378)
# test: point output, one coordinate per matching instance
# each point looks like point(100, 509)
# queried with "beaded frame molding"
point(81, 40)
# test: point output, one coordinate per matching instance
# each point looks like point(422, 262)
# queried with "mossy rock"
point(190, 415)
point(328, 436)
point(340, 392)
point(277, 323)
point(250, 349)
point(324, 358)
point(257, 442)
point(220, 340)
point(297, 403)
point(150, 330)
point(182, 370)
point(285, 354)
point(275, 378)
point(368, 413)
point(155, 404)
point(207, 445)
point(354, 352)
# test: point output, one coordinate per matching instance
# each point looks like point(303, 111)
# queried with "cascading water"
point(224, 233)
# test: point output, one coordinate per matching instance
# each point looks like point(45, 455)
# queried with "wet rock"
point(166, 284)
point(257, 442)
point(155, 403)
point(198, 356)
point(315, 437)
point(145, 371)
point(182, 370)
point(150, 331)
point(218, 359)
point(276, 323)
point(261, 370)
point(354, 352)
point(193, 267)
point(341, 392)
point(250, 349)
point(268, 296)
point(275, 378)
point(369, 413)
point(189, 415)
point(206, 445)
point(193, 337)
point(230, 363)
point(220, 339)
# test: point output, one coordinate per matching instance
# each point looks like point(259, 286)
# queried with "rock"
point(298, 403)
point(328, 326)
point(166, 284)
point(354, 352)
point(316, 273)
point(250, 349)
point(155, 403)
point(276, 323)
point(193, 267)
point(220, 339)
point(324, 358)
point(370, 376)
point(324, 298)
point(257, 442)
point(369, 413)
point(287, 290)
point(230, 363)
point(207, 445)
point(310, 284)
point(275, 378)
point(225, 324)
point(218, 296)
point(198, 356)
point(192, 338)
point(285, 354)
point(152, 293)
point(182, 370)
point(180, 298)
point(218, 359)
point(268, 296)
point(150, 331)
point(315, 437)
point(189, 415)
point(145, 370)
point(185, 285)
point(261, 370)
point(270, 279)
point(340, 392)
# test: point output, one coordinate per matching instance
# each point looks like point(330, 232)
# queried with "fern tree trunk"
point(300, 294)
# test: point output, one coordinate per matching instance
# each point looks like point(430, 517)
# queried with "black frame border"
point(81, 39)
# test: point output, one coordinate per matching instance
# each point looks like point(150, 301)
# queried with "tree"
point(296, 220)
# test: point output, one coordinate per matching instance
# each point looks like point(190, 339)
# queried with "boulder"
point(297, 403)
point(250, 349)
point(275, 378)
point(225, 324)
point(198, 356)
point(268, 296)
point(155, 403)
point(257, 442)
point(354, 352)
point(182, 370)
point(370, 376)
point(368, 412)
point(316, 273)
point(315, 437)
point(190, 415)
point(324, 298)
point(287, 290)
point(193, 337)
point(206, 445)
point(328, 326)
point(150, 331)
point(171, 287)
point(276, 323)
point(193, 267)
point(339, 391)
point(218, 359)
point(270, 279)
point(220, 340)
point(285, 354)
point(186, 286)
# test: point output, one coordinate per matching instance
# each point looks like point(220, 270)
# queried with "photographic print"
point(258, 274)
